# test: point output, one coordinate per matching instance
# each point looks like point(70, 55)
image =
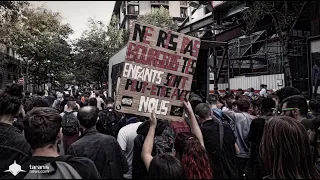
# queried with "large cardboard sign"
point(157, 72)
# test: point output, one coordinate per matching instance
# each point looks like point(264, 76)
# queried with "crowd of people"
point(241, 135)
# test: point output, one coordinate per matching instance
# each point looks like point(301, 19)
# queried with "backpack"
point(60, 170)
point(164, 143)
point(70, 125)
point(109, 120)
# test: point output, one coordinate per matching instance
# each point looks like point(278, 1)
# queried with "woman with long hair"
point(285, 150)
point(193, 157)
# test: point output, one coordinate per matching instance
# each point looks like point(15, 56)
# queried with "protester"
point(242, 120)
point(213, 101)
point(57, 103)
point(164, 141)
point(254, 168)
point(219, 142)
point(92, 102)
point(100, 101)
point(70, 125)
point(13, 145)
point(296, 107)
point(162, 166)
point(263, 91)
point(35, 102)
point(43, 132)
point(314, 107)
point(110, 121)
point(103, 150)
point(287, 92)
point(285, 150)
point(191, 152)
point(125, 138)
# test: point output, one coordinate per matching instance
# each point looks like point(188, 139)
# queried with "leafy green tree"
point(159, 17)
point(41, 39)
point(284, 14)
point(94, 49)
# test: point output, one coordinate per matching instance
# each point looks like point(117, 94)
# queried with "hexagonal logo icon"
point(14, 169)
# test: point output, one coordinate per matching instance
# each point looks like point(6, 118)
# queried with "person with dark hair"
point(314, 107)
point(103, 150)
point(287, 92)
point(70, 125)
point(92, 102)
point(296, 107)
point(240, 91)
point(100, 101)
point(242, 120)
point(254, 169)
point(285, 150)
point(43, 132)
point(162, 166)
point(263, 91)
point(35, 102)
point(220, 143)
point(13, 145)
point(213, 101)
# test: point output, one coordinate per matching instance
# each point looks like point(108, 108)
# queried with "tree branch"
point(278, 27)
point(298, 16)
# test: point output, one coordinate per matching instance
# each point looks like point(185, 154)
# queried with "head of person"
point(42, 128)
point(109, 102)
point(72, 105)
point(227, 89)
point(10, 102)
point(92, 102)
point(295, 106)
point(165, 166)
point(35, 102)
point(243, 105)
point(193, 156)
point(268, 105)
point(314, 106)
point(287, 92)
point(285, 150)
point(97, 93)
point(88, 116)
point(251, 90)
point(213, 99)
point(27, 94)
point(255, 106)
point(240, 91)
point(204, 112)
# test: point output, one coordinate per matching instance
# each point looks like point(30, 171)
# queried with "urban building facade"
point(10, 65)
point(128, 11)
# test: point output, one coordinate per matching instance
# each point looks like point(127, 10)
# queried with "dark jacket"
point(13, 147)
point(104, 151)
point(139, 170)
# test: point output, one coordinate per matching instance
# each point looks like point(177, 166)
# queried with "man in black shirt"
point(223, 159)
point(42, 128)
point(103, 150)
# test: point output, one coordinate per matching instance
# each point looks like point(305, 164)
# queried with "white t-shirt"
point(263, 92)
point(126, 137)
point(99, 102)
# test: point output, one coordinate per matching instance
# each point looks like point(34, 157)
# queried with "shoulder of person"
point(84, 166)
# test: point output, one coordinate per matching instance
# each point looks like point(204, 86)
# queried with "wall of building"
point(174, 8)
point(144, 7)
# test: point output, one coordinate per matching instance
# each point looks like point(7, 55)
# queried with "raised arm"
point(148, 142)
point(195, 129)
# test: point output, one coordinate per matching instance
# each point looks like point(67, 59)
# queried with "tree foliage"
point(41, 39)
point(159, 17)
point(94, 49)
point(284, 14)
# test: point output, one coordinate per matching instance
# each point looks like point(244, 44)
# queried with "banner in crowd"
point(157, 72)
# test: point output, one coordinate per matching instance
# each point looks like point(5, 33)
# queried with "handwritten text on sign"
point(158, 72)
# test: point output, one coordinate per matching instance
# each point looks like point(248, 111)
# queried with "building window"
point(184, 3)
point(133, 9)
point(183, 12)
